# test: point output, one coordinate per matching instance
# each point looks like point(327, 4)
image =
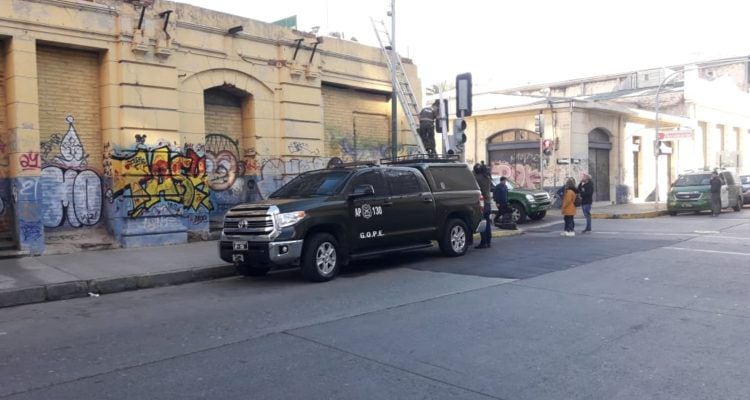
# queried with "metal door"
point(599, 171)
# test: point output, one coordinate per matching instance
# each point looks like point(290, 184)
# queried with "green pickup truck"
point(524, 203)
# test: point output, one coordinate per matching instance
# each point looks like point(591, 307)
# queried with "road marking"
point(707, 232)
point(648, 233)
point(734, 253)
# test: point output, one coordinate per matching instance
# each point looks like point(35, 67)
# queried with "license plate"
point(687, 205)
point(240, 245)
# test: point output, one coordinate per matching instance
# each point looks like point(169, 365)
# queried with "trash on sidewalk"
point(92, 294)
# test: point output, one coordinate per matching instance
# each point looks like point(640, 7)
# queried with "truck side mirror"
point(363, 190)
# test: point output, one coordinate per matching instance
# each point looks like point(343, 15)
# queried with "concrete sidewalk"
point(88, 273)
point(56, 277)
point(606, 210)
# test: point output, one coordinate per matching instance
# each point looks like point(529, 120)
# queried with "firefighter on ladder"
point(427, 118)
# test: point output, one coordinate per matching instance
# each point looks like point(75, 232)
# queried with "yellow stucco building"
point(141, 122)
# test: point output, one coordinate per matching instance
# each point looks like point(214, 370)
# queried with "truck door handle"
point(387, 203)
point(427, 199)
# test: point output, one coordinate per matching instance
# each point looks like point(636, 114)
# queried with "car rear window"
point(745, 179)
point(452, 178)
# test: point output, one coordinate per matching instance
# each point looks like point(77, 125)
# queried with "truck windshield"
point(315, 183)
point(692, 180)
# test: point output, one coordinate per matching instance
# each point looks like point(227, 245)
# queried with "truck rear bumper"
point(260, 253)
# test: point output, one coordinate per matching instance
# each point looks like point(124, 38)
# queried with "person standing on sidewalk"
point(586, 190)
point(482, 175)
point(715, 194)
point(568, 209)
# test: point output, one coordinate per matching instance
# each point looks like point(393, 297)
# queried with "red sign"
point(677, 134)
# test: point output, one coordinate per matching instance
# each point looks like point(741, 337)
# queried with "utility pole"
point(394, 105)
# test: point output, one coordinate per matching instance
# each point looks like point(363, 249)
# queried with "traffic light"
point(459, 135)
point(442, 116)
point(539, 124)
point(463, 95)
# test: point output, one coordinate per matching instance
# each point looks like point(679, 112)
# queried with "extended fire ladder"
point(401, 86)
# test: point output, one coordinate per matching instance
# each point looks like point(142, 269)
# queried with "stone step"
point(13, 253)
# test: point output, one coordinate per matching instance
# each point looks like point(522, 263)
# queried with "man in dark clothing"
point(482, 175)
point(586, 190)
point(427, 127)
point(715, 194)
point(500, 195)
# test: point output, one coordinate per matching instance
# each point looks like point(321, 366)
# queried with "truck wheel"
point(538, 215)
point(247, 270)
point(320, 259)
point(518, 213)
point(738, 206)
point(672, 213)
point(454, 241)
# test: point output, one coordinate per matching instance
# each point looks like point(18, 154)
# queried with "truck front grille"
point(253, 220)
point(542, 197)
point(687, 196)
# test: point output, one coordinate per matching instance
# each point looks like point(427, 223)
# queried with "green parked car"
point(525, 203)
point(691, 192)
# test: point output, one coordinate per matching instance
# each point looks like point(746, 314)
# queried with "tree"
point(437, 87)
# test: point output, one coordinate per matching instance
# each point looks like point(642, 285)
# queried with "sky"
point(511, 43)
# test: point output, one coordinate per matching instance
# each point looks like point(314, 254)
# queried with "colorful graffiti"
point(223, 164)
point(520, 167)
point(71, 192)
point(145, 178)
point(348, 149)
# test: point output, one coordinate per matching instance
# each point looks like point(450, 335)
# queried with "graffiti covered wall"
point(109, 133)
point(71, 192)
point(70, 158)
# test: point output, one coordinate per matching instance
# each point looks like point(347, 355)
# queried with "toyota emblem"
point(243, 224)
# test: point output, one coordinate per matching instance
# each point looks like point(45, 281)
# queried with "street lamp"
point(656, 131)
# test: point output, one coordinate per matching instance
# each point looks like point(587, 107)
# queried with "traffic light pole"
point(540, 130)
point(394, 83)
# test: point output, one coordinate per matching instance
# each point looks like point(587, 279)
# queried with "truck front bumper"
point(260, 253)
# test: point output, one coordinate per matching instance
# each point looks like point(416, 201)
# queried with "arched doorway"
point(599, 148)
point(514, 153)
point(225, 108)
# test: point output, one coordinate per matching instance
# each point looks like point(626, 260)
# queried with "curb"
point(82, 288)
point(650, 214)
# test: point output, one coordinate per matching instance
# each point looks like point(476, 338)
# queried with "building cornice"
point(78, 4)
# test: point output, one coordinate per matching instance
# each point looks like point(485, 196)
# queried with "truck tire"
point(455, 238)
point(518, 213)
point(320, 258)
point(247, 270)
point(537, 215)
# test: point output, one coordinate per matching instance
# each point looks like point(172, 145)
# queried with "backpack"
point(578, 201)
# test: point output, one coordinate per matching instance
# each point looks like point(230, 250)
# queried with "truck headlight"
point(530, 198)
point(289, 219)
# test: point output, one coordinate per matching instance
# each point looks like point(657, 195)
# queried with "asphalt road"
point(640, 309)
